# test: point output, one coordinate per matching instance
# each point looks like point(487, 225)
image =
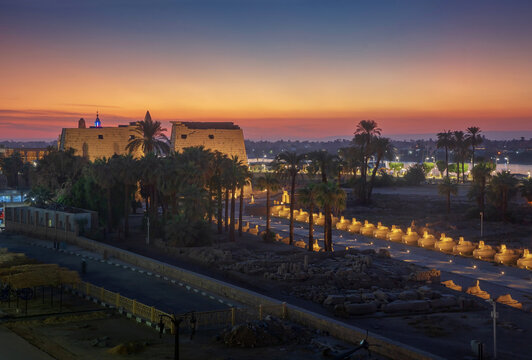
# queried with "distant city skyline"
point(280, 69)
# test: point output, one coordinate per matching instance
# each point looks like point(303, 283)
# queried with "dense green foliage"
point(415, 175)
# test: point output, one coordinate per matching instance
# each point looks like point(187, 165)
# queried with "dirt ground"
point(106, 336)
point(423, 205)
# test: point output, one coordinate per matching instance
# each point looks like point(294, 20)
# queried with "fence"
point(215, 318)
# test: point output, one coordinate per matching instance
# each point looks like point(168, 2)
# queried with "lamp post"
point(507, 162)
point(176, 321)
point(481, 224)
point(148, 234)
point(494, 316)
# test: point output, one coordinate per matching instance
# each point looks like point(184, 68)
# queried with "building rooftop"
point(208, 125)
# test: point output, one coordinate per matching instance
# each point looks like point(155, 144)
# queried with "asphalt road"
point(132, 282)
point(495, 279)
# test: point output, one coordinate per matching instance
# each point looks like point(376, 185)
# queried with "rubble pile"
point(268, 332)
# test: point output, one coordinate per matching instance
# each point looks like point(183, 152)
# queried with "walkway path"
point(495, 279)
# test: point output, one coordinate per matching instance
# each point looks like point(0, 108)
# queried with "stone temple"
point(100, 141)
point(96, 141)
point(225, 137)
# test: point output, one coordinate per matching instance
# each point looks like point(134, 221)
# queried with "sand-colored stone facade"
point(98, 142)
point(225, 137)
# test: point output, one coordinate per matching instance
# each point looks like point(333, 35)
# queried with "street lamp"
point(507, 162)
point(494, 316)
point(481, 224)
point(176, 321)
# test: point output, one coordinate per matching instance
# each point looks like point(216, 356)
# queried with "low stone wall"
point(42, 232)
point(340, 330)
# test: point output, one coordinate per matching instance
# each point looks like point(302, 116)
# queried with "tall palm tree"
point(351, 159)
point(445, 140)
point(323, 161)
point(235, 179)
point(481, 175)
point(365, 132)
point(474, 138)
point(270, 183)
point(128, 176)
point(149, 171)
point(226, 181)
point(244, 180)
point(104, 175)
point(459, 145)
point(503, 186)
point(330, 195)
point(218, 170)
point(447, 188)
point(307, 197)
point(149, 137)
point(382, 148)
point(289, 165)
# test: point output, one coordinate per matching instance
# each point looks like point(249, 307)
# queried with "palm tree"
point(503, 186)
point(290, 164)
point(149, 137)
point(244, 180)
point(351, 160)
point(447, 188)
point(474, 138)
point(226, 182)
point(128, 176)
point(307, 197)
point(268, 182)
point(323, 161)
point(445, 140)
point(235, 179)
point(330, 195)
point(149, 171)
point(218, 165)
point(481, 175)
point(105, 176)
point(365, 132)
point(382, 148)
point(459, 145)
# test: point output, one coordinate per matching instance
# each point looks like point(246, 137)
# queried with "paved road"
point(464, 271)
point(135, 283)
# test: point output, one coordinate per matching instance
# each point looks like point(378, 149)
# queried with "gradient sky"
point(280, 69)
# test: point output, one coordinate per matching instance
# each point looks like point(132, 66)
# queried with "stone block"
point(361, 309)
point(407, 306)
point(334, 300)
point(446, 301)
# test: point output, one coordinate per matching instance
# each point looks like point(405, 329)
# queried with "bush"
point(415, 175)
point(396, 166)
point(428, 166)
point(268, 236)
point(384, 180)
point(180, 231)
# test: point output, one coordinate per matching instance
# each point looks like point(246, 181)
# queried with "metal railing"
point(215, 318)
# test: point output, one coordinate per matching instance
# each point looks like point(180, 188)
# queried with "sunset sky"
point(280, 69)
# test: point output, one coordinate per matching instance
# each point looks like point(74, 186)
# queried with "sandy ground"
point(93, 336)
